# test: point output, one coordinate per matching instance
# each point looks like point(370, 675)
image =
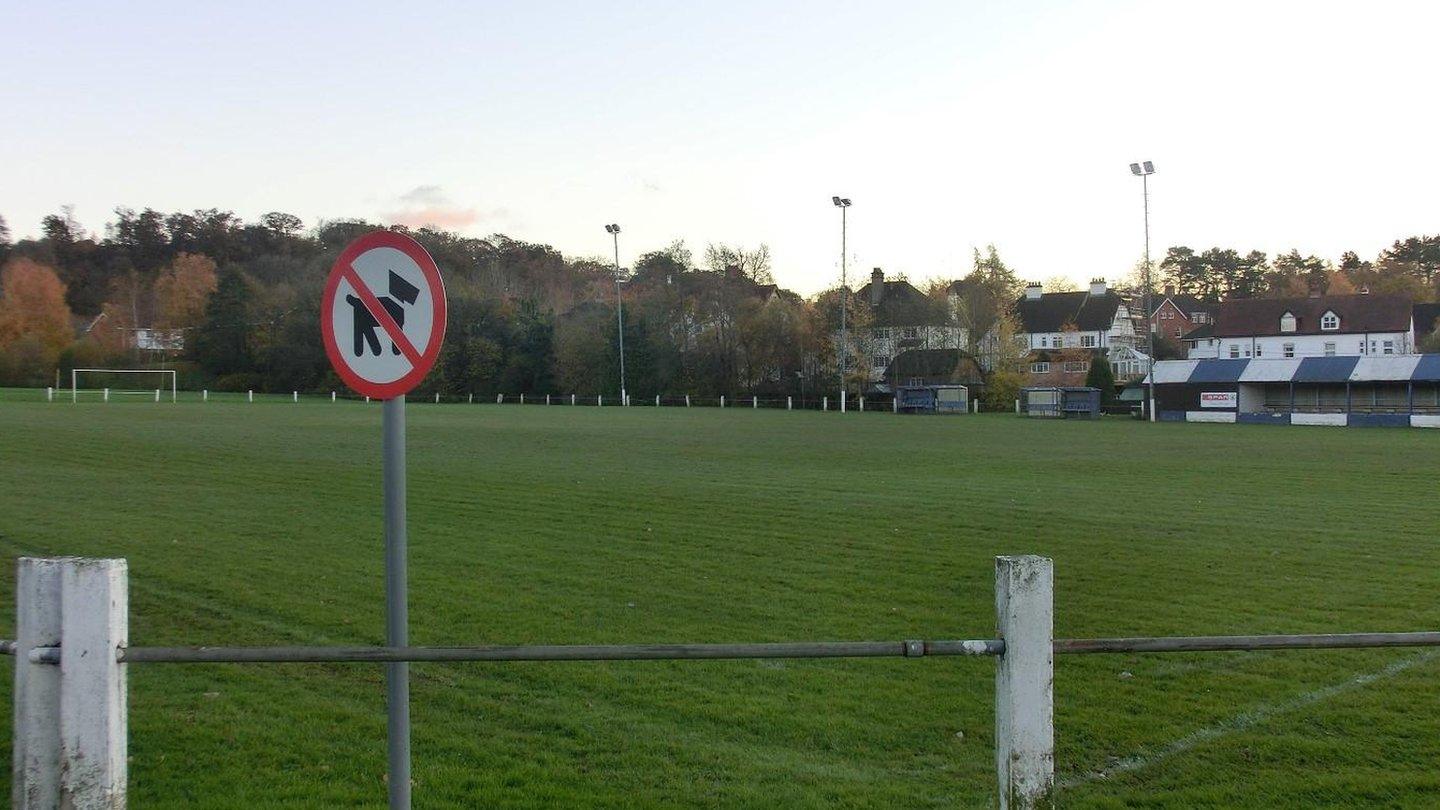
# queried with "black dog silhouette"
point(367, 328)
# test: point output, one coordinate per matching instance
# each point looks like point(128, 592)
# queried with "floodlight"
point(1135, 169)
point(616, 228)
point(1149, 167)
point(835, 200)
point(845, 201)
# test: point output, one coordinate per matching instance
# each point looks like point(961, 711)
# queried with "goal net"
point(132, 383)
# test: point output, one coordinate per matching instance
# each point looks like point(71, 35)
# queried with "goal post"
point(149, 382)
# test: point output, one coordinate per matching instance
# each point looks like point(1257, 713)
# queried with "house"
point(931, 367)
point(1176, 315)
point(1064, 331)
point(1317, 326)
point(900, 318)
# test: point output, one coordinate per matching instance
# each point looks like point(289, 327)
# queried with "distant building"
point(1064, 331)
point(901, 319)
point(1176, 315)
point(1317, 326)
point(931, 367)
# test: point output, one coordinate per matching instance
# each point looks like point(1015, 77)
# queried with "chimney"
point(1097, 286)
point(1033, 291)
point(1169, 290)
point(877, 286)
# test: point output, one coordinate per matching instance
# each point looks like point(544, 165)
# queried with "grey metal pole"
point(620, 316)
point(397, 634)
point(843, 343)
point(1149, 330)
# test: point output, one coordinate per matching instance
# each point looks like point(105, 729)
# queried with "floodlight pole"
point(619, 311)
point(844, 290)
point(397, 634)
point(1144, 170)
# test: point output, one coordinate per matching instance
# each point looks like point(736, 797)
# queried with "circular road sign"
point(383, 314)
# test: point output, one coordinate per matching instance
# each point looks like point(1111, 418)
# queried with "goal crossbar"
point(76, 372)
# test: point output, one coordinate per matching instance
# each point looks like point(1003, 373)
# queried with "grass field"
point(255, 524)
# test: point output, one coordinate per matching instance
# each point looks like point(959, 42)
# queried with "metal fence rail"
point(913, 648)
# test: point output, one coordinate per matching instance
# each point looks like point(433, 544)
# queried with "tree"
point(1293, 275)
point(182, 291)
point(1186, 271)
point(223, 344)
point(282, 224)
point(33, 312)
point(753, 264)
point(1103, 377)
point(1060, 284)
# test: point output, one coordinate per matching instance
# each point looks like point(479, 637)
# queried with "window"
point(1287, 322)
point(1039, 368)
point(879, 361)
point(1329, 349)
point(1234, 350)
point(1389, 347)
point(1329, 321)
point(1179, 333)
point(1257, 349)
point(1044, 342)
point(1362, 347)
point(1088, 341)
point(882, 334)
point(1076, 365)
point(910, 332)
point(1199, 317)
point(1058, 341)
point(1289, 349)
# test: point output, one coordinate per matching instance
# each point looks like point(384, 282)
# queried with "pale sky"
point(950, 124)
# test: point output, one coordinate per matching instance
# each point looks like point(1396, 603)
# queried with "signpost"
point(383, 320)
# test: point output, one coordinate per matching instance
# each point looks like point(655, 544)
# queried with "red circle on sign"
point(424, 357)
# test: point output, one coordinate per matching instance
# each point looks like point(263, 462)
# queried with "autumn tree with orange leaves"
point(34, 319)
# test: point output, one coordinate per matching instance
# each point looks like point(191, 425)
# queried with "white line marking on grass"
point(1247, 720)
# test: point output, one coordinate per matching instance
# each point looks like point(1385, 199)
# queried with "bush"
point(1002, 389)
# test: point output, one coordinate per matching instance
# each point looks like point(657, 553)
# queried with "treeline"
point(234, 306)
point(1410, 267)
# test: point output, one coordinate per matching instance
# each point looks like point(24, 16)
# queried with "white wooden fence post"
point(657, 400)
point(862, 404)
point(49, 393)
point(157, 394)
point(843, 403)
point(754, 402)
point(547, 399)
point(35, 773)
point(600, 400)
point(895, 403)
point(687, 400)
point(789, 403)
point(94, 626)
point(294, 396)
point(332, 396)
point(437, 397)
point(1024, 682)
point(1017, 405)
point(572, 399)
point(107, 395)
point(499, 399)
point(522, 399)
point(722, 400)
point(367, 400)
point(470, 400)
point(825, 403)
point(250, 395)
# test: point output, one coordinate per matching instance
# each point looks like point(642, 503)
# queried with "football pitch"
point(251, 524)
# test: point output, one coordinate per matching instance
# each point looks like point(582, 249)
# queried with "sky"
point(951, 125)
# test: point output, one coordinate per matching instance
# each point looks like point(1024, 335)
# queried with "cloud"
point(430, 205)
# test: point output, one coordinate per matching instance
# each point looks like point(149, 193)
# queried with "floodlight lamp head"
point(1135, 169)
point(835, 200)
point(1149, 167)
point(845, 201)
point(607, 229)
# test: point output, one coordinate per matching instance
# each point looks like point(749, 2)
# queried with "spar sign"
point(383, 314)
point(1218, 399)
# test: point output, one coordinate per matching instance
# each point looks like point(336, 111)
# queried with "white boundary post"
point(332, 396)
point(754, 402)
point(789, 403)
point(895, 403)
point(522, 399)
point(250, 395)
point(657, 400)
point(472, 399)
point(367, 400)
point(547, 399)
point(295, 396)
point(49, 393)
point(205, 395)
point(687, 400)
point(499, 399)
point(572, 399)
point(825, 403)
point(106, 397)
point(1024, 682)
point(862, 404)
point(94, 619)
point(600, 400)
point(722, 400)
point(1017, 405)
point(437, 397)
point(157, 394)
point(35, 770)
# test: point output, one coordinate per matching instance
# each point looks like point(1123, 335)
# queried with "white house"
point(1318, 326)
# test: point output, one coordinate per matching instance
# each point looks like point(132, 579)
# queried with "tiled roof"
point(1247, 317)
